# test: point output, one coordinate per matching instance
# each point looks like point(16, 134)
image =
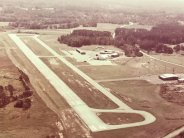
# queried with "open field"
point(137, 26)
point(116, 118)
point(91, 96)
point(145, 96)
point(175, 58)
point(23, 123)
point(173, 93)
point(2, 24)
point(100, 27)
point(35, 46)
point(130, 67)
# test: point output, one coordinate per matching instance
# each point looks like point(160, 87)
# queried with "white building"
point(168, 77)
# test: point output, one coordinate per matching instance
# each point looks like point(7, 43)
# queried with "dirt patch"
point(120, 118)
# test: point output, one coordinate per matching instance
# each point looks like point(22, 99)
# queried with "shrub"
point(19, 104)
point(27, 104)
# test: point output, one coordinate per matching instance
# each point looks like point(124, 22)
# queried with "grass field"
point(131, 67)
point(35, 47)
point(115, 118)
point(142, 95)
point(38, 121)
point(90, 95)
point(175, 58)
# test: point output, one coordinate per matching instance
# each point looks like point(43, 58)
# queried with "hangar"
point(168, 77)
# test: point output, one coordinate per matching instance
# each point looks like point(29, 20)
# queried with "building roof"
point(181, 79)
point(168, 75)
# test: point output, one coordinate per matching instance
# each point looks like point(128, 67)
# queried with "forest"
point(158, 39)
point(80, 38)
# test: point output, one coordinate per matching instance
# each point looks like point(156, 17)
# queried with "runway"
point(87, 114)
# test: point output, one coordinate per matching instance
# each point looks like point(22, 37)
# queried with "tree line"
point(80, 38)
point(157, 39)
point(8, 94)
point(131, 41)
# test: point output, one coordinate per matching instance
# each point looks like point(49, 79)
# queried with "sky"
point(141, 4)
point(129, 3)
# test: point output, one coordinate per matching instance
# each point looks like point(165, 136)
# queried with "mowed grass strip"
point(120, 118)
point(88, 93)
point(35, 47)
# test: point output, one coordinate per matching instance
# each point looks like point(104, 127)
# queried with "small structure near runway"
point(81, 51)
point(168, 77)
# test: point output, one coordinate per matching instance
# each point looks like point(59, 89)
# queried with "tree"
point(1, 89)
point(139, 54)
point(147, 45)
point(19, 104)
point(26, 104)
point(177, 48)
point(27, 93)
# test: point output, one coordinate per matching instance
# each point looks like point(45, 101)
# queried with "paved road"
point(87, 114)
point(175, 133)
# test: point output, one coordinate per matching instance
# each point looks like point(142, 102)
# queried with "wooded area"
point(157, 39)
